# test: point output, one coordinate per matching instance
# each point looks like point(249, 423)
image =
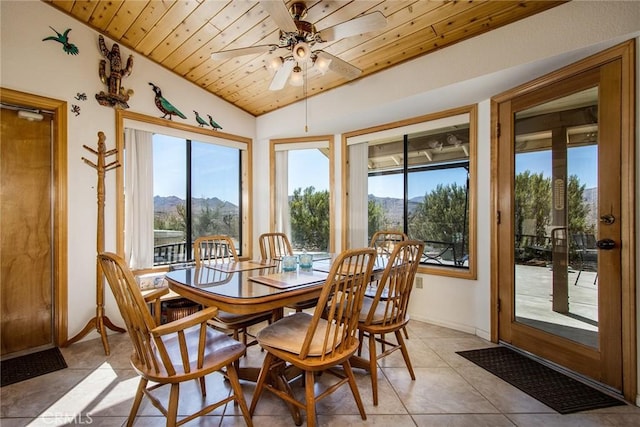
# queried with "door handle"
point(606, 244)
point(607, 219)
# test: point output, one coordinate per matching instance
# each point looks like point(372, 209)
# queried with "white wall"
point(469, 72)
point(39, 67)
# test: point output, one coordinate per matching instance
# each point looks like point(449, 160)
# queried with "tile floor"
point(448, 391)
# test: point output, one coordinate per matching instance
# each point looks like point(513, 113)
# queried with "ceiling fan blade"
point(231, 53)
point(339, 66)
point(363, 24)
point(278, 11)
point(281, 76)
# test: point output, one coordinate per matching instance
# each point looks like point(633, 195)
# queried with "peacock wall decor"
point(117, 96)
point(63, 39)
point(165, 107)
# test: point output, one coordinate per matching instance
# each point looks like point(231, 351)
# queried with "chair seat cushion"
point(378, 315)
point(289, 333)
point(219, 351)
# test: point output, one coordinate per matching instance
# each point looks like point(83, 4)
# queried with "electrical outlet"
point(418, 282)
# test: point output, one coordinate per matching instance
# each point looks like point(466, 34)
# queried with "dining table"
point(253, 286)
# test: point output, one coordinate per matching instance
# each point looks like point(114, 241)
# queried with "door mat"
point(555, 389)
point(31, 365)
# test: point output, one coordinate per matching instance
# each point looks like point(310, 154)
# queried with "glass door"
point(562, 217)
point(555, 217)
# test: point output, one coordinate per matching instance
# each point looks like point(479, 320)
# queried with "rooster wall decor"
point(63, 39)
point(117, 96)
point(165, 106)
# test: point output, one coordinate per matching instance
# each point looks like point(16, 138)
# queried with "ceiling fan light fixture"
point(301, 52)
point(322, 63)
point(275, 63)
point(296, 77)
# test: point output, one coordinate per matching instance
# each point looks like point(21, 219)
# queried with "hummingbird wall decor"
point(63, 39)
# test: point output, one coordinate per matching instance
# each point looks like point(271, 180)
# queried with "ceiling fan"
point(301, 39)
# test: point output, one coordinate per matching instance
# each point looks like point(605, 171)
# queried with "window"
point(417, 177)
point(302, 202)
point(196, 192)
point(195, 184)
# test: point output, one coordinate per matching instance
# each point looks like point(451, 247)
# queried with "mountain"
point(168, 204)
point(394, 208)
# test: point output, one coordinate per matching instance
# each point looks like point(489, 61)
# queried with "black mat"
point(31, 365)
point(555, 389)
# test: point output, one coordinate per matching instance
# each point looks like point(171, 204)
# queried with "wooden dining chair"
point(387, 311)
point(383, 241)
point(274, 246)
point(170, 354)
point(217, 249)
point(320, 341)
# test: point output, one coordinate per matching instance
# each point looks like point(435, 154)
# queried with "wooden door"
point(26, 254)
point(565, 172)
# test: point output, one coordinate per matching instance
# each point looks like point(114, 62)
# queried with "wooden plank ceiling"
point(181, 35)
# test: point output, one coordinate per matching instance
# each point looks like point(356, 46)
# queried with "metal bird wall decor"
point(63, 39)
point(201, 122)
point(117, 96)
point(213, 124)
point(165, 106)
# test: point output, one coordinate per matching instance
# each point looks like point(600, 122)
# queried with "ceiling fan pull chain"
point(306, 102)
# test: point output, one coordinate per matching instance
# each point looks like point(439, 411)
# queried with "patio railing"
point(170, 253)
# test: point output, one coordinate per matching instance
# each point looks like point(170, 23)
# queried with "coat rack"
point(100, 322)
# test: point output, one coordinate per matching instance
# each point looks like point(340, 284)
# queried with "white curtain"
point(358, 195)
point(283, 224)
point(138, 202)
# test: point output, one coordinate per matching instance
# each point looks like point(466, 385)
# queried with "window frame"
point(329, 139)
point(246, 176)
point(400, 126)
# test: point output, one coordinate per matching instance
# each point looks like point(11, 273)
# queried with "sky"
point(308, 168)
point(169, 163)
point(582, 161)
point(311, 168)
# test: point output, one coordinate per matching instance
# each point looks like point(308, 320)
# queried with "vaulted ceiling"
point(181, 35)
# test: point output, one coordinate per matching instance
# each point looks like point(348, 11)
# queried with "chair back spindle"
point(169, 354)
point(135, 313)
point(274, 246)
point(340, 303)
point(215, 249)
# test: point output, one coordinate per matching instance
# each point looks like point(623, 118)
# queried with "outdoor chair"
point(170, 354)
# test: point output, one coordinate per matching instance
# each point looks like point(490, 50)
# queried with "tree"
point(212, 221)
point(309, 213)
point(578, 209)
point(533, 203)
point(171, 220)
point(377, 220)
point(442, 216)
